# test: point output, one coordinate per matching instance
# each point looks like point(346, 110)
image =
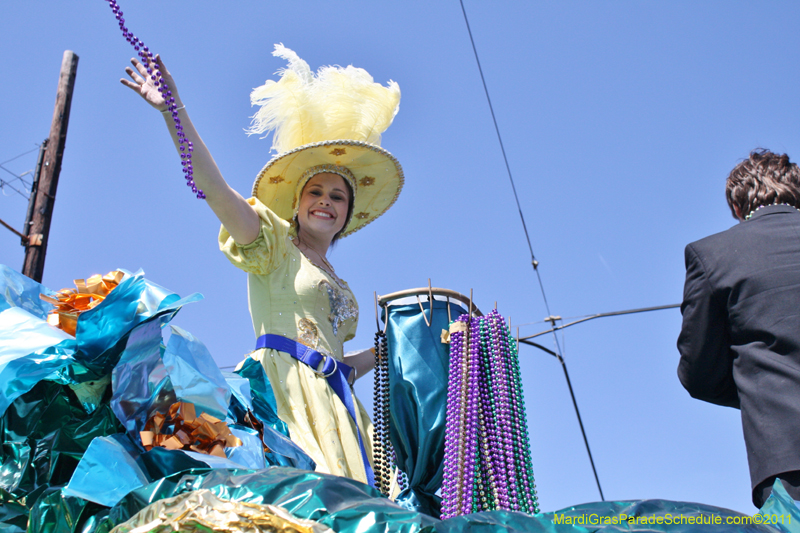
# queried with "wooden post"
point(36, 247)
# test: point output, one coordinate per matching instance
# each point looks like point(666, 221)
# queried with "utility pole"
point(43, 198)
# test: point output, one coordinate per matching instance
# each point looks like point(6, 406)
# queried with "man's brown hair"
point(763, 179)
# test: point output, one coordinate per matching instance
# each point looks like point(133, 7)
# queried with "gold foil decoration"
point(182, 429)
point(88, 294)
point(202, 511)
point(307, 333)
point(458, 326)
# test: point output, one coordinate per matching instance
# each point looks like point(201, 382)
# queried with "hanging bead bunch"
point(148, 59)
point(487, 457)
point(382, 444)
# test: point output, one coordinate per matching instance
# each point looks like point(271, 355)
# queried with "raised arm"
point(233, 211)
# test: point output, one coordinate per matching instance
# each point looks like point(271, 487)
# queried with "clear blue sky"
point(621, 121)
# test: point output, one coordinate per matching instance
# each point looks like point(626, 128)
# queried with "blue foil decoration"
point(30, 350)
point(149, 377)
point(140, 380)
point(251, 453)
point(257, 397)
point(133, 302)
point(107, 471)
point(17, 290)
point(195, 376)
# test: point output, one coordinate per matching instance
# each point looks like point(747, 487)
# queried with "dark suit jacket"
point(740, 340)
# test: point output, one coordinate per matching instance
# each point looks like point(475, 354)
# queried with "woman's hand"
point(144, 85)
point(233, 211)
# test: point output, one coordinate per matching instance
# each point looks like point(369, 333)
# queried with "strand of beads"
point(487, 489)
point(487, 456)
point(382, 445)
point(495, 434)
point(753, 212)
point(530, 500)
point(148, 60)
point(462, 423)
point(453, 421)
point(472, 407)
point(501, 410)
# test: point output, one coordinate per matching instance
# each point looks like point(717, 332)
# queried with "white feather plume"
point(337, 103)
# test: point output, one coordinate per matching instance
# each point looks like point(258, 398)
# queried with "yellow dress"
point(292, 297)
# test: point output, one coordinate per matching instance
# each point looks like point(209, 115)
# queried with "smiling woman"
point(329, 179)
point(326, 206)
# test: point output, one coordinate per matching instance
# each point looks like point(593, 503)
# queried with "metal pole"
point(583, 430)
point(34, 188)
point(39, 226)
point(574, 404)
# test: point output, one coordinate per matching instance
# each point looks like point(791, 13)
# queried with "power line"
point(534, 262)
point(20, 155)
point(19, 177)
point(578, 318)
point(598, 315)
point(4, 184)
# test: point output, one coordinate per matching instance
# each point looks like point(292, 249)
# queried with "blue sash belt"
point(335, 372)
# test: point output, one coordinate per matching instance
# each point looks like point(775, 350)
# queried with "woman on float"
point(329, 179)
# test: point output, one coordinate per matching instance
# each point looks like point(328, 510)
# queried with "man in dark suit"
point(740, 339)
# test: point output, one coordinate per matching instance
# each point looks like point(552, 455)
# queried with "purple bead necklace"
point(453, 423)
point(487, 457)
point(473, 405)
point(148, 59)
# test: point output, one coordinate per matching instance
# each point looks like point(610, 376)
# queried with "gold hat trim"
point(279, 192)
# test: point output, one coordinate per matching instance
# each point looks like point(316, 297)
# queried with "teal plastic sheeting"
point(107, 471)
point(44, 433)
point(339, 503)
point(57, 426)
point(347, 506)
point(418, 370)
point(253, 392)
point(149, 378)
point(189, 358)
point(31, 350)
point(54, 393)
point(140, 381)
point(21, 291)
point(101, 331)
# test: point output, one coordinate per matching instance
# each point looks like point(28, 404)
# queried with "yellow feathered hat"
point(328, 122)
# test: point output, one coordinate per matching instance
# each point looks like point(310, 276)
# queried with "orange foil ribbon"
point(203, 434)
point(70, 303)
